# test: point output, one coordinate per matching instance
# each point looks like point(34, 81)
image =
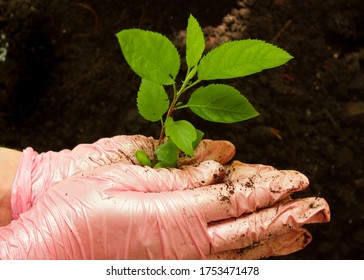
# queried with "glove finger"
point(122, 149)
point(106, 151)
point(126, 177)
point(284, 244)
point(232, 199)
point(218, 150)
point(238, 170)
point(248, 229)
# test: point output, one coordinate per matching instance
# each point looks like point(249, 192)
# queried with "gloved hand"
point(124, 211)
point(37, 172)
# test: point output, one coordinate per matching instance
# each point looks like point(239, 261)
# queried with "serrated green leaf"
point(240, 58)
point(221, 103)
point(152, 101)
point(195, 42)
point(151, 55)
point(182, 133)
point(167, 153)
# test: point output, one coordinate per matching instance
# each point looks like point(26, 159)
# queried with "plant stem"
point(192, 85)
point(185, 86)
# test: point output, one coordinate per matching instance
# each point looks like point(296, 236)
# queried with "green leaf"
point(195, 42)
point(143, 158)
point(150, 54)
point(163, 164)
point(152, 101)
point(220, 103)
point(240, 58)
point(167, 153)
point(199, 136)
point(182, 133)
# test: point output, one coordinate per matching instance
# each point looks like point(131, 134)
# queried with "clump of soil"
point(64, 82)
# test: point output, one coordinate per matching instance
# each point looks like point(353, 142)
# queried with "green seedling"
point(157, 61)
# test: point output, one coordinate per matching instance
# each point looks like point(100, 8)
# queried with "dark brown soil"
point(64, 82)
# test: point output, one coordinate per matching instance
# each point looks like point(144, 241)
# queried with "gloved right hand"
point(125, 211)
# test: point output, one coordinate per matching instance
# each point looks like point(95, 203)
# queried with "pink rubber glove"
point(130, 212)
point(37, 172)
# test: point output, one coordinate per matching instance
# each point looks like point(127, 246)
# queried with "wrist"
point(5, 205)
point(9, 162)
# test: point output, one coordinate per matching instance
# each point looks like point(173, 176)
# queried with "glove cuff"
point(21, 194)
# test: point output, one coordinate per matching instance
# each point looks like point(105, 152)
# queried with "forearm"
point(9, 161)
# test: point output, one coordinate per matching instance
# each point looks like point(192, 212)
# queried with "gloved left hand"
point(37, 172)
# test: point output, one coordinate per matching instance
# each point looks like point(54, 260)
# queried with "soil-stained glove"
point(126, 211)
point(37, 172)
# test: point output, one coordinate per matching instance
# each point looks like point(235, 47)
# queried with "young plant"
point(156, 60)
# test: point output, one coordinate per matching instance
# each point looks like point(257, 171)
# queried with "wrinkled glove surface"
point(37, 172)
point(91, 205)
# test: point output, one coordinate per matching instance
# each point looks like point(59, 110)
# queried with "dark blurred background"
point(64, 82)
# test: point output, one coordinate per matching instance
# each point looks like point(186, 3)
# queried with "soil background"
point(64, 81)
